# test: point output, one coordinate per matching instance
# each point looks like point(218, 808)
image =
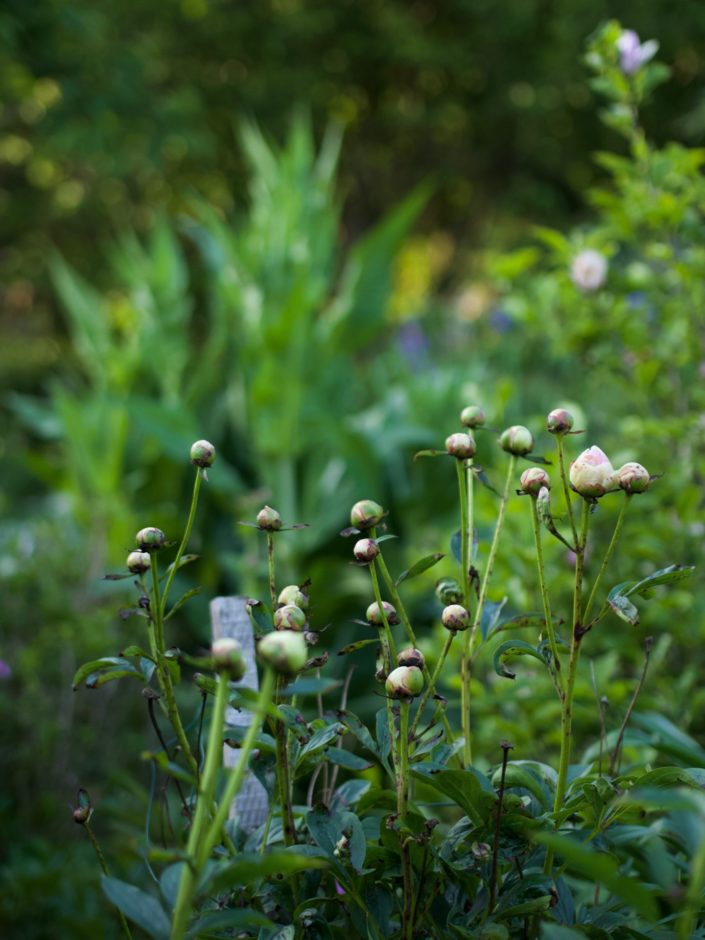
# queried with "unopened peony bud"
point(559, 421)
point(633, 478)
point(269, 519)
point(289, 617)
point(517, 440)
point(150, 539)
point(138, 562)
point(472, 417)
point(365, 550)
point(411, 657)
point(366, 513)
point(227, 656)
point(292, 594)
point(81, 815)
point(284, 650)
point(202, 454)
point(404, 682)
point(533, 479)
point(592, 474)
point(374, 615)
point(449, 591)
point(588, 270)
point(460, 445)
point(455, 617)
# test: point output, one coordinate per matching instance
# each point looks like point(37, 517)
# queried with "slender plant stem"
point(556, 673)
point(157, 730)
point(614, 759)
point(506, 748)
point(608, 555)
point(402, 800)
point(463, 498)
point(283, 777)
point(270, 569)
point(184, 540)
point(566, 487)
point(431, 685)
point(390, 646)
point(104, 868)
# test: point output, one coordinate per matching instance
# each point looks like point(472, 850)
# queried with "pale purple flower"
point(5, 671)
point(632, 53)
point(588, 270)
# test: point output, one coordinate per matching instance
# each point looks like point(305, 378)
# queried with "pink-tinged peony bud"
point(404, 682)
point(588, 270)
point(460, 445)
point(366, 550)
point(472, 417)
point(284, 650)
point(559, 421)
point(517, 440)
point(150, 539)
point(366, 513)
point(292, 594)
point(533, 479)
point(374, 615)
point(455, 617)
point(633, 478)
point(448, 591)
point(289, 617)
point(269, 519)
point(592, 474)
point(411, 657)
point(227, 656)
point(632, 53)
point(138, 562)
point(202, 454)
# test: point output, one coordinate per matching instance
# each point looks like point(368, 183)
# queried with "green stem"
point(693, 896)
point(402, 800)
point(463, 496)
point(431, 684)
point(556, 673)
point(184, 541)
point(608, 555)
point(390, 647)
point(566, 488)
point(283, 776)
point(104, 868)
point(270, 569)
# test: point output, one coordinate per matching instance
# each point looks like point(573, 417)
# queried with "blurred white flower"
point(588, 270)
point(632, 53)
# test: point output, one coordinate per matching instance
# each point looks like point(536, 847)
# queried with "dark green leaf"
point(357, 645)
point(312, 686)
point(428, 561)
point(385, 538)
point(98, 665)
point(182, 600)
point(97, 679)
point(512, 648)
point(346, 759)
point(491, 613)
point(464, 789)
point(261, 616)
point(239, 917)
point(184, 560)
point(318, 740)
point(663, 576)
point(247, 868)
point(137, 906)
point(430, 453)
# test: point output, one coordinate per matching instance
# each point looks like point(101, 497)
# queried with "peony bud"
point(592, 474)
point(517, 440)
point(227, 656)
point(448, 591)
point(411, 657)
point(81, 815)
point(292, 594)
point(404, 682)
point(365, 514)
point(150, 539)
point(284, 650)
point(460, 445)
point(138, 562)
point(455, 617)
point(633, 478)
point(588, 270)
point(366, 550)
point(472, 417)
point(533, 479)
point(374, 615)
point(289, 617)
point(202, 454)
point(559, 421)
point(269, 519)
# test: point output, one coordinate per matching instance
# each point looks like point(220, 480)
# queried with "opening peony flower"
point(588, 270)
point(632, 53)
point(592, 474)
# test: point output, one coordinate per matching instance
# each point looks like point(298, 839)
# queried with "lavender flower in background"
point(413, 343)
point(588, 270)
point(5, 671)
point(500, 321)
point(632, 53)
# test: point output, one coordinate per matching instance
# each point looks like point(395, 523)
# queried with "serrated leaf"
point(138, 906)
point(513, 648)
point(428, 561)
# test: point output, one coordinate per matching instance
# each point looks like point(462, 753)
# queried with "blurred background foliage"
point(311, 233)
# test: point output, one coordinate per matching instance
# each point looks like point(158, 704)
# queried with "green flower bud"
point(227, 657)
point(517, 440)
point(365, 550)
point(269, 519)
point(404, 682)
point(472, 417)
point(138, 562)
point(559, 421)
point(202, 454)
point(150, 539)
point(289, 617)
point(374, 615)
point(366, 513)
point(533, 479)
point(633, 478)
point(292, 594)
point(284, 650)
point(460, 445)
point(411, 657)
point(449, 591)
point(455, 617)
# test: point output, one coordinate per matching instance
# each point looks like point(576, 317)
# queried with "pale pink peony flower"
point(588, 270)
point(592, 474)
